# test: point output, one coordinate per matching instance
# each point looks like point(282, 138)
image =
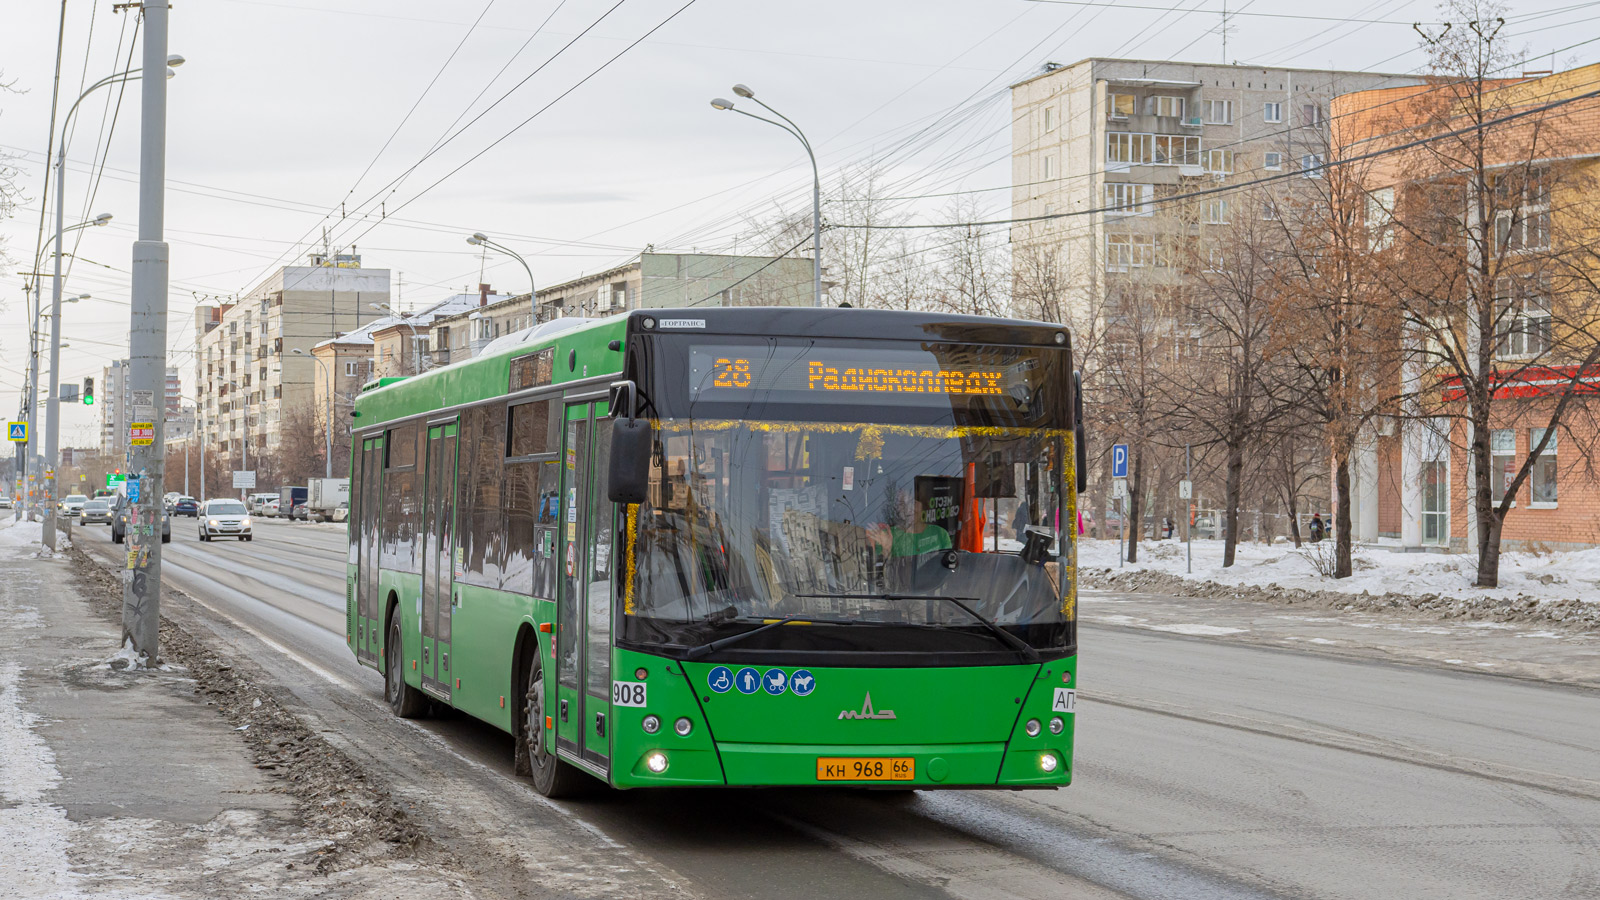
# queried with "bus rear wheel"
point(535, 757)
point(406, 701)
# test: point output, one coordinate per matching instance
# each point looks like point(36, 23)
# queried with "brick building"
point(1414, 475)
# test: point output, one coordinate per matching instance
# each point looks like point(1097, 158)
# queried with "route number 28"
point(627, 693)
point(730, 373)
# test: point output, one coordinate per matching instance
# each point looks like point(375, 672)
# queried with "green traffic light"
point(88, 399)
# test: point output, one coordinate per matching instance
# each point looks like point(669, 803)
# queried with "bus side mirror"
point(1080, 440)
point(631, 442)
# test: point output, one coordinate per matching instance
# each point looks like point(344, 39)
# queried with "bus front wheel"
point(406, 701)
point(535, 756)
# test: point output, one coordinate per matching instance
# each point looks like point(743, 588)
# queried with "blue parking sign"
point(1119, 460)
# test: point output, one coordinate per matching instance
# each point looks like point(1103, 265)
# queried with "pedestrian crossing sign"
point(18, 432)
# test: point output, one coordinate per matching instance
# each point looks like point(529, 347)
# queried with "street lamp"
point(327, 446)
point(52, 412)
point(816, 179)
point(405, 319)
point(478, 238)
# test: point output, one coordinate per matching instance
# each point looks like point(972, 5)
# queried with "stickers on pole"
point(774, 682)
point(142, 434)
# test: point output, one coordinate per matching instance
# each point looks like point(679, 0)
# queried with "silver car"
point(96, 512)
point(224, 518)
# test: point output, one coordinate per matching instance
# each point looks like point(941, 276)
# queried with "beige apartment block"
point(1097, 145)
point(678, 280)
point(247, 374)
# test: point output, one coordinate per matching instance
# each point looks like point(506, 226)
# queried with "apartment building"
point(110, 396)
point(656, 280)
point(464, 334)
point(246, 371)
point(1097, 145)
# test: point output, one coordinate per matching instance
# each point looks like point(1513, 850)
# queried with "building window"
point(1502, 461)
point(1543, 489)
point(1167, 106)
point(1122, 147)
point(1522, 221)
point(1177, 150)
point(1310, 114)
point(1380, 219)
point(1049, 118)
point(1049, 174)
point(350, 368)
point(1219, 162)
point(1216, 212)
point(1269, 210)
point(1272, 112)
point(1219, 112)
point(1129, 199)
point(1128, 251)
point(1120, 106)
point(1272, 160)
point(1311, 165)
point(1522, 317)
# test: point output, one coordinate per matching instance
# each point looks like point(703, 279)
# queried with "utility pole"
point(147, 346)
point(1188, 528)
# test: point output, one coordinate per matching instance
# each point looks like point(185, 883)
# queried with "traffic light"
point(88, 392)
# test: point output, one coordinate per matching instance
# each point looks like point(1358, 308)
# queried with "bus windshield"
point(890, 537)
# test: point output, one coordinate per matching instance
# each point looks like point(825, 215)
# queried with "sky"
point(401, 127)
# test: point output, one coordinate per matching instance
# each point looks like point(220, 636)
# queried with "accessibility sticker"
point(802, 683)
point(775, 681)
point(747, 681)
point(720, 679)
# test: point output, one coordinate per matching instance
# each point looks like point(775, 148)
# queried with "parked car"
point(225, 518)
point(255, 504)
point(168, 499)
point(96, 512)
point(300, 513)
point(342, 511)
point(268, 508)
point(5, 502)
point(186, 506)
point(119, 522)
point(72, 504)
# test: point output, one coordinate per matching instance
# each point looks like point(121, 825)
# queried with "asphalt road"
point(1205, 769)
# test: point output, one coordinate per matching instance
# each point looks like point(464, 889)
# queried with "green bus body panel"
point(484, 628)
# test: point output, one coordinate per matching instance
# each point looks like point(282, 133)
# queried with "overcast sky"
point(282, 106)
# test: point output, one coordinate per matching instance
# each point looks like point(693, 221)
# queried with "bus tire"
point(552, 777)
point(406, 701)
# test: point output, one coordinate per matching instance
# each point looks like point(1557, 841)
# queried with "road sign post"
point(1188, 528)
point(1119, 460)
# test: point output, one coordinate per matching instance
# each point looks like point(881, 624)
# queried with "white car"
point(224, 518)
point(72, 504)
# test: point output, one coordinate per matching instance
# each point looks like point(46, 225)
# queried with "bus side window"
point(521, 500)
point(544, 531)
point(487, 524)
point(401, 508)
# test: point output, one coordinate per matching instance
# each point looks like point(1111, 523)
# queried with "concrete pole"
point(147, 346)
point(30, 406)
point(52, 410)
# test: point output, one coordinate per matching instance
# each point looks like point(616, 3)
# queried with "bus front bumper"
point(888, 766)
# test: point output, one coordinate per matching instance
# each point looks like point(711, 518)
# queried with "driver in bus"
point(916, 536)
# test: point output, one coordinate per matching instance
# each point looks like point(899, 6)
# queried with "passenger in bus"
point(911, 534)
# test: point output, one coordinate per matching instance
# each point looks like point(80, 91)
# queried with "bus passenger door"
point(583, 642)
point(438, 548)
point(365, 514)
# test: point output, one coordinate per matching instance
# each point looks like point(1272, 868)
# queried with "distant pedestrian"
point(1317, 529)
point(1166, 526)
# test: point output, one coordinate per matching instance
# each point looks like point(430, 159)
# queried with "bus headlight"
point(1032, 729)
point(683, 727)
point(651, 724)
point(656, 762)
point(1057, 725)
point(1049, 761)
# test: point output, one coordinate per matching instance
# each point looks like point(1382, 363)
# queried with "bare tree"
point(971, 265)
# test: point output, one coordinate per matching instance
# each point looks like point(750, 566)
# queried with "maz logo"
point(866, 711)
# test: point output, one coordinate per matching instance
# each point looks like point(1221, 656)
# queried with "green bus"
point(720, 547)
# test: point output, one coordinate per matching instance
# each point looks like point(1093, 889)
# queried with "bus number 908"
point(627, 693)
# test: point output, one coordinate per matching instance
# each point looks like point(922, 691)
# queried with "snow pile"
point(24, 540)
point(1571, 576)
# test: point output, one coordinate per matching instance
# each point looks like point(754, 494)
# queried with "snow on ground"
point(1378, 570)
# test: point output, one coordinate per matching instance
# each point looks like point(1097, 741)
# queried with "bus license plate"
point(866, 768)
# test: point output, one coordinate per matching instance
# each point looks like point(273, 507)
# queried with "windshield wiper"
point(1006, 637)
point(713, 646)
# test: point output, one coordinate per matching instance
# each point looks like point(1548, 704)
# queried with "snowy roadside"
point(1561, 588)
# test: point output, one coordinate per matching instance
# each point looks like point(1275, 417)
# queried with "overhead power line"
point(1233, 14)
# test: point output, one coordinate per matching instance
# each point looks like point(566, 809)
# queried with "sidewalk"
point(123, 783)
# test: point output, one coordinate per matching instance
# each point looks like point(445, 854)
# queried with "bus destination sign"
point(828, 373)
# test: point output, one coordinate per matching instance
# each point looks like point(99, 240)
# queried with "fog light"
point(1057, 725)
point(651, 724)
point(1032, 728)
point(683, 727)
point(1047, 762)
point(656, 762)
point(640, 673)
